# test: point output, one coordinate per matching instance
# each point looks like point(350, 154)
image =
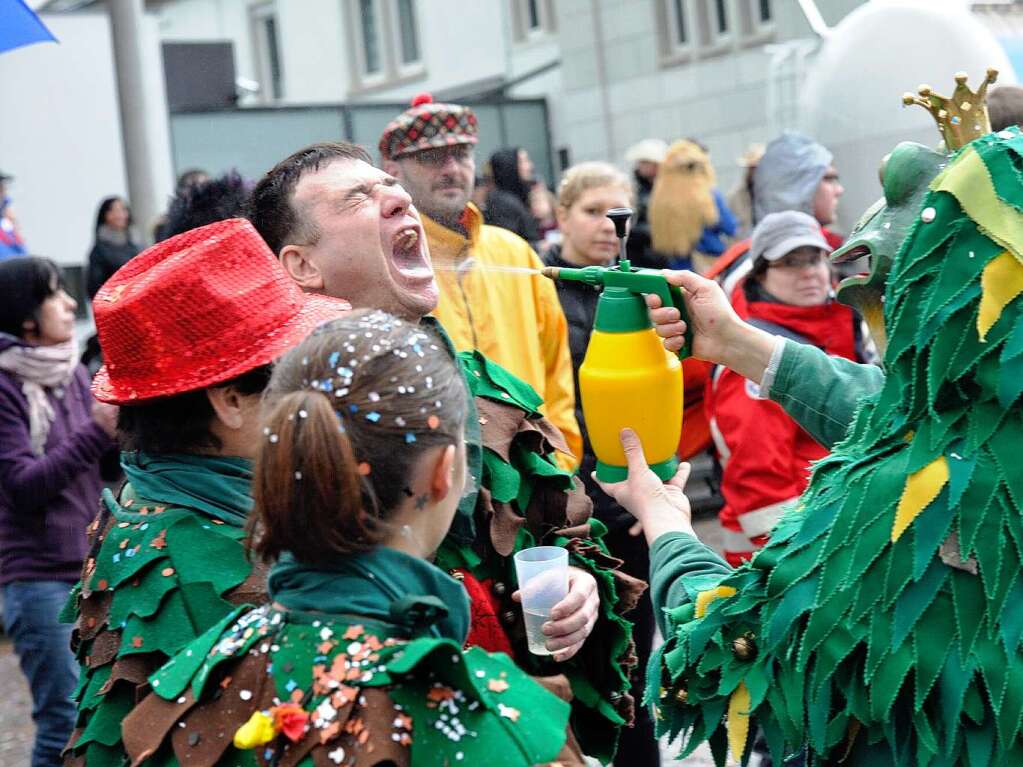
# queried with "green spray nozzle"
point(617, 282)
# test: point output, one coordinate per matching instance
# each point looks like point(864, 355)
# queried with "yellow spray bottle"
point(627, 379)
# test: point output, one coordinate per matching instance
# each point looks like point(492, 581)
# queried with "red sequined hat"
point(426, 125)
point(197, 310)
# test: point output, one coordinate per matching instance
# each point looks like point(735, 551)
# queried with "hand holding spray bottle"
point(627, 379)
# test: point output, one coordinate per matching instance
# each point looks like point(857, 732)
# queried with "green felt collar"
point(218, 486)
point(384, 585)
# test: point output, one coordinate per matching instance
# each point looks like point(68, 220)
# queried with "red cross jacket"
point(765, 455)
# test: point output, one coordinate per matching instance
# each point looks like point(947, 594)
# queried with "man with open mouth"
point(344, 228)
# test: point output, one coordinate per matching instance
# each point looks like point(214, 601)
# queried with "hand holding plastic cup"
point(543, 582)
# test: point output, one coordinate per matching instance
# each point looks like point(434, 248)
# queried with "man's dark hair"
point(181, 423)
point(206, 202)
point(270, 207)
point(1005, 106)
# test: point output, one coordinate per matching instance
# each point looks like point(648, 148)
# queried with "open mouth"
point(844, 256)
point(407, 254)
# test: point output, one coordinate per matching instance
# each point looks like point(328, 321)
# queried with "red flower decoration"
point(291, 719)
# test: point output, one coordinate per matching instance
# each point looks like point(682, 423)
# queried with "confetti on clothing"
point(147, 591)
point(272, 687)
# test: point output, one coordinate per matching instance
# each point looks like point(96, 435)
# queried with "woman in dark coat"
point(114, 245)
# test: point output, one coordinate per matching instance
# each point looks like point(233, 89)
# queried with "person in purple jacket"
point(53, 436)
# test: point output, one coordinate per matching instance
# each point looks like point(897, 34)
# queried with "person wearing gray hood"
point(795, 173)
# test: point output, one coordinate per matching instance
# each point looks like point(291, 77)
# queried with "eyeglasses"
point(798, 260)
point(460, 153)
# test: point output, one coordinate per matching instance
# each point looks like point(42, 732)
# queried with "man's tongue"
point(408, 258)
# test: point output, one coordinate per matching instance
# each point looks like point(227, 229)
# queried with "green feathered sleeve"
point(881, 623)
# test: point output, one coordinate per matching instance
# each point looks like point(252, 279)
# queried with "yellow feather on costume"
point(682, 200)
point(922, 487)
point(737, 721)
point(1001, 282)
point(704, 598)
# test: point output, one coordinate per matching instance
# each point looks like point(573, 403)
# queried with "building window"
point(721, 17)
point(384, 41)
point(369, 29)
point(267, 51)
point(679, 35)
point(408, 32)
point(756, 20)
point(534, 14)
point(532, 19)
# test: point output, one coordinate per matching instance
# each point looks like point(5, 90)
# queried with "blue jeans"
point(43, 647)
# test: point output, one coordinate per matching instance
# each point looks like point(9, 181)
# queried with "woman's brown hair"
point(349, 411)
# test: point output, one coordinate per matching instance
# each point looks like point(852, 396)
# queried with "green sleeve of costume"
point(822, 392)
point(680, 567)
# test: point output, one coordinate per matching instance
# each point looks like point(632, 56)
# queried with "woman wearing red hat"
point(188, 330)
point(359, 658)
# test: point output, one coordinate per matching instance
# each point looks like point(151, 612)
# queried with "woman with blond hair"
point(587, 191)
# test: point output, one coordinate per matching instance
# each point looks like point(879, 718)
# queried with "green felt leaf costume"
point(882, 624)
point(377, 676)
point(528, 500)
point(148, 588)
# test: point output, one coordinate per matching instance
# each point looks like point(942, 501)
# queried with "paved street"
point(16, 729)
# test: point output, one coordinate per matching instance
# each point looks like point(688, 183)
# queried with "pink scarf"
point(41, 369)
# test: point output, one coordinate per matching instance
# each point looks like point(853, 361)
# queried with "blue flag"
point(20, 26)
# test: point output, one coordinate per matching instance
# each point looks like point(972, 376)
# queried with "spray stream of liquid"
point(471, 263)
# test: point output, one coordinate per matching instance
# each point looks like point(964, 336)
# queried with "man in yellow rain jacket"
point(490, 299)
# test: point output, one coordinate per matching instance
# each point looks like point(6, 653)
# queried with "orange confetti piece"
point(167, 572)
point(433, 422)
point(330, 732)
point(102, 585)
point(440, 693)
point(354, 632)
point(497, 685)
point(324, 647)
point(364, 469)
point(136, 642)
point(159, 509)
point(159, 542)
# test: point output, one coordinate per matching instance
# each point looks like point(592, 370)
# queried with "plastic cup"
point(543, 581)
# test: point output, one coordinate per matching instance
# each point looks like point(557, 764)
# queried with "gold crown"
point(961, 118)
